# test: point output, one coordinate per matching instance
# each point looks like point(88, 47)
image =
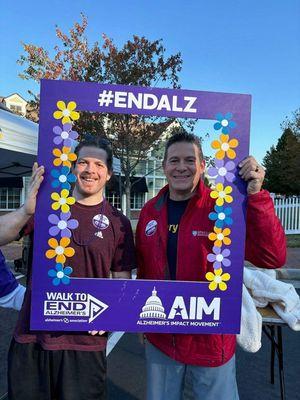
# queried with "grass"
point(293, 240)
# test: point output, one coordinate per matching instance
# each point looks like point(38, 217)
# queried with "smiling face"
point(92, 174)
point(183, 169)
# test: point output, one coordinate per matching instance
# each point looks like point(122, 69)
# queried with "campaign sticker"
point(151, 228)
point(100, 221)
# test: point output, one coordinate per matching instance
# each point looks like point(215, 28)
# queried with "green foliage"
point(140, 62)
point(282, 162)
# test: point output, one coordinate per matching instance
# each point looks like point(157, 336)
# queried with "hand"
point(141, 339)
point(253, 173)
point(94, 333)
point(34, 185)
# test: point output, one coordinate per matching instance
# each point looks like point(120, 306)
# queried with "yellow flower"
point(66, 112)
point(64, 156)
point(220, 236)
point(225, 147)
point(59, 250)
point(221, 194)
point(217, 279)
point(62, 201)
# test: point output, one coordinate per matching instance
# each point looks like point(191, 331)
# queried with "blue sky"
point(248, 47)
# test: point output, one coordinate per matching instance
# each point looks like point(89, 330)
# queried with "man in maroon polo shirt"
point(70, 365)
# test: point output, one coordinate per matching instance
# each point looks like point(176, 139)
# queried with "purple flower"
point(218, 257)
point(65, 135)
point(222, 171)
point(62, 224)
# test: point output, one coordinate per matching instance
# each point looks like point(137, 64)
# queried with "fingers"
point(36, 177)
point(100, 333)
point(253, 173)
point(250, 169)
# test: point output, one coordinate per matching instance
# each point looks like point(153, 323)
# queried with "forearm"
point(14, 299)
point(121, 275)
point(11, 224)
point(265, 239)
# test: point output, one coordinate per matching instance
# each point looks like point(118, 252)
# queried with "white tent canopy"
point(18, 145)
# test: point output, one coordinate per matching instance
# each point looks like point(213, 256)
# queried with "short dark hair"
point(183, 136)
point(100, 143)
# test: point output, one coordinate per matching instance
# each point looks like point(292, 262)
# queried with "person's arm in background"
point(12, 223)
point(11, 292)
point(265, 237)
point(121, 275)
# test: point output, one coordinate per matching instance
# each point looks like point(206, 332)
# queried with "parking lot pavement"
point(127, 375)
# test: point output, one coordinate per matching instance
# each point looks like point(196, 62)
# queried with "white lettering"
point(193, 301)
point(214, 308)
point(191, 101)
point(164, 103)
point(174, 104)
point(59, 296)
point(178, 308)
point(120, 99)
point(136, 101)
point(147, 101)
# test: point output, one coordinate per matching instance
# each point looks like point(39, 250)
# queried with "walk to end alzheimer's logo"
point(72, 307)
point(183, 312)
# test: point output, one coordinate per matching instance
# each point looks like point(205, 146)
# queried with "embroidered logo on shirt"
point(100, 221)
point(99, 234)
point(151, 228)
point(200, 233)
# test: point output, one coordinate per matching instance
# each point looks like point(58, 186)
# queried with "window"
point(159, 171)
point(137, 200)
point(15, 108)
point(10, 198)
point(114, 200)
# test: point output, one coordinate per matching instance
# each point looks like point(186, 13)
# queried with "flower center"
point(219, 257)
point(221, 216)
point(62, 178)
point(222, 171)
point(225, 146)
point(218, 279)
point(62, 201)
point(59, 250)
point(64, 135)
point(224, 122)
point(220, 236)
point(64, 157)
point(66, 113)
point(222, 194)
point(62, 225)
point(60, 274)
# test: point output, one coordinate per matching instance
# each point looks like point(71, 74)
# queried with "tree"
point(139, 62)
point(282, 162)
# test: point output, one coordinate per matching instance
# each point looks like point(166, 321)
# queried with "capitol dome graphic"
point(153, 307)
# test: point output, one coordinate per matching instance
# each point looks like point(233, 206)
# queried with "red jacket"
point(265, 247)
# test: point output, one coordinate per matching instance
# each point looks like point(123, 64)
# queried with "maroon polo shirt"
point(96, 254)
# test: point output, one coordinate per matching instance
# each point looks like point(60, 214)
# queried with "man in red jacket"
point(166, 249)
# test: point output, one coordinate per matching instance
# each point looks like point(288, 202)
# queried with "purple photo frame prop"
point(60, 301)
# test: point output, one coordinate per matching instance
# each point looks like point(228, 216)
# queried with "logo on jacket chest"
point(151, 228)
point(200, 233)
